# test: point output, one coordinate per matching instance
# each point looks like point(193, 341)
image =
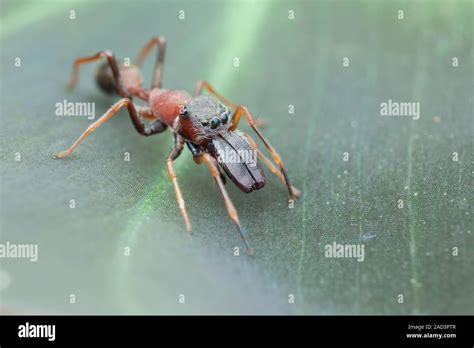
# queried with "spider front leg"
point(214, 169)
point(178, 148)
point(159, 41)
point(154, 127)
point(122, 91)
point(242, 110)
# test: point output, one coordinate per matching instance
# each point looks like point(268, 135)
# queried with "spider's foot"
point(62, 154)
point(295, 193)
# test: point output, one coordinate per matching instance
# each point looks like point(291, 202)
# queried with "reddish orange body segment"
point(165, 104)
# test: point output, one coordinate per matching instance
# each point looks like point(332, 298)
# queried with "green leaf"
point(409, 251)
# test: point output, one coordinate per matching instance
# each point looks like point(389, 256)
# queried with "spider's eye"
point(225, 117)
point(215, 122)
point(183, 111)
point(205, 123)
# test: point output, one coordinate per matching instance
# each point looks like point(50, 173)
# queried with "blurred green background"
point(283, 62)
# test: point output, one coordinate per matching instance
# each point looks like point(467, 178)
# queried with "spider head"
point(206, 116)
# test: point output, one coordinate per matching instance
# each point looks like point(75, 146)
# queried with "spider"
point(203, 122)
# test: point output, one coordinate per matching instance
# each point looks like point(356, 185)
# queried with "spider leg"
point(159, 41)
point(122, 91)
point(154, 127)
point(177, 149)
point(213, 168)
point(197, 157)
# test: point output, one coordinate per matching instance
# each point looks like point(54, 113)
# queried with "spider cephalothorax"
point(206, 116)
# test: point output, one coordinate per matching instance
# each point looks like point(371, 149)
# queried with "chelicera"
point(207, 124)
